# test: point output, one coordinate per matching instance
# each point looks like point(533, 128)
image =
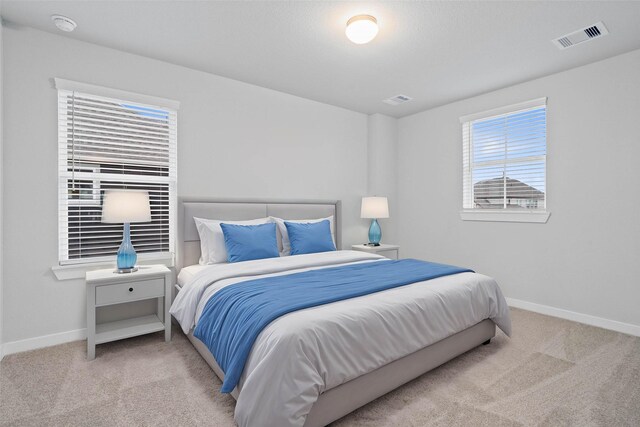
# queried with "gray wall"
point(1, 199)
point(586, 258)
point(239, 140)
point(235, 140)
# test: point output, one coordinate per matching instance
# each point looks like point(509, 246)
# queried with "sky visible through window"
point(513, 146)
point(148, 112)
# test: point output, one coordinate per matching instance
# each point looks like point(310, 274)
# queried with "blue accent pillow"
point(247, 242)
point(310, 237)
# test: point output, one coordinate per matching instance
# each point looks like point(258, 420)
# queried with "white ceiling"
point(435, 52)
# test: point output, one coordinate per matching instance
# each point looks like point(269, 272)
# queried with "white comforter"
point(304, 353)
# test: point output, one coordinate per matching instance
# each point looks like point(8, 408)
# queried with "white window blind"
point(504, 158)
point(106, 143)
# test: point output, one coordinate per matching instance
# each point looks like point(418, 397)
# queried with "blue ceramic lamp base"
point(126, 257)
point(375, 233)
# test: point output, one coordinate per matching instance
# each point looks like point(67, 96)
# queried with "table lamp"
point(374, 208)
point(126, 207)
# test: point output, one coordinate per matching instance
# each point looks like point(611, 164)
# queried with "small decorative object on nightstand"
point(389, 251)
point(106, 288)
point(374, 208)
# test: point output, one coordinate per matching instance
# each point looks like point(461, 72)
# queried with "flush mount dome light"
point(362, 29)
point(63, 23)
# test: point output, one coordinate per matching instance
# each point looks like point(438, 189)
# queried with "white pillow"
point(285, 250)
point(212, 248)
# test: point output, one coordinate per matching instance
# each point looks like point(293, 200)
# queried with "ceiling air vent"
point(588, 33)
point(397, 100)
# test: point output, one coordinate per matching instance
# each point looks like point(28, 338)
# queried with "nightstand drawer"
point(125, 292)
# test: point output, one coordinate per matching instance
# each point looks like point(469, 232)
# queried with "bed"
point(313, 366)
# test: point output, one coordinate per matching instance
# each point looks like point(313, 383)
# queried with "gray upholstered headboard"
point(188, 244)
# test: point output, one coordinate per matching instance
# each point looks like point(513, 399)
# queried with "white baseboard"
point(614, 325)
point(81, 334)
point(43, 341)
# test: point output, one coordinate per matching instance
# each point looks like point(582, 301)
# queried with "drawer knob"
point(130, 289)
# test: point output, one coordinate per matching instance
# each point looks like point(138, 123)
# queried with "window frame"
point(540, 215)
point(76, 268)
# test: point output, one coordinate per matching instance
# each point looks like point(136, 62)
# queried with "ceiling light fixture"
point(362, 29)
point(63, 23)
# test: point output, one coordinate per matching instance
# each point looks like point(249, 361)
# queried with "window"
point(504, 163)
point(113, 142)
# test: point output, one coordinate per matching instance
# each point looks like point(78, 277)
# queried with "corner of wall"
point(382, 173)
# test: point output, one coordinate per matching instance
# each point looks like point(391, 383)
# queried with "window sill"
point(502, 216)
point(78, 271)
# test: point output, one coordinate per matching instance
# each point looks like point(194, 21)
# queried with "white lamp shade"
point(126, 206)
point(374, 207)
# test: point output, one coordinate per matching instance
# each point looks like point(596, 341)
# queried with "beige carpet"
point(551, 373)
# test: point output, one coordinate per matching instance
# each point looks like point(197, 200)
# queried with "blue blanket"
point(234, 317)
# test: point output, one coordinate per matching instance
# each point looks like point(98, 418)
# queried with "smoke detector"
point(63, 23)
point(397, 100)
point(583, 35)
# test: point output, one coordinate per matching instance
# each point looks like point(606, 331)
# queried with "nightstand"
point(106, 288)
point(389, 251)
